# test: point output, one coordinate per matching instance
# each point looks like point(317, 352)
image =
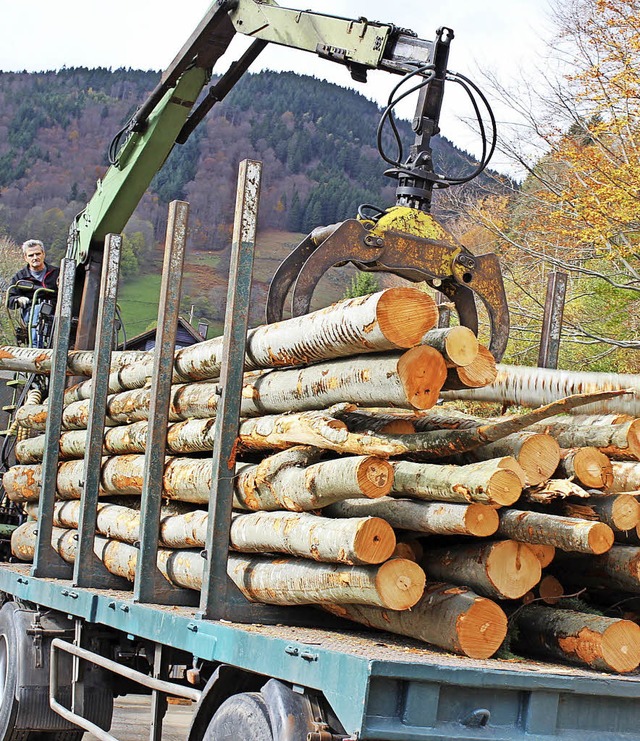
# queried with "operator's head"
point(33, 251)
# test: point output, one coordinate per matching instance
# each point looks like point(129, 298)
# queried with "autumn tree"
point(578, 207)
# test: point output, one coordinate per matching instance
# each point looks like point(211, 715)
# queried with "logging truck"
point(220, 584)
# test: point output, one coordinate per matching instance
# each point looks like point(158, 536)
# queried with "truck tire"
point(244, 716)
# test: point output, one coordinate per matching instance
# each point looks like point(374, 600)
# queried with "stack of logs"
point(397, 514)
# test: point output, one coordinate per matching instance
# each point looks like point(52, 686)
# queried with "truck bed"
point(382, 685)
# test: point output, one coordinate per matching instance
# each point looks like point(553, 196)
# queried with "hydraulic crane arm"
point(176, 106)
point(163, 119)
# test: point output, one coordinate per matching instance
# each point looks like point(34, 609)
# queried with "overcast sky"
point(500, 35)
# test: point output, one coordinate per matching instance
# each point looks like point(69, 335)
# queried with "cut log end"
point(621, 646)
point(375, 541)
point(625, 512)
point(481, 520)
point(504, 487)
point(400, 583)
point(593, 468)
point(513, 568)
point(539, 456)
point(544, 553)
point(481, 371)
point(550, 590)
point(482, 629)
point(405, 314)
point(375, 477)
point(422, 371)
point(600, 538)
point(633, 439)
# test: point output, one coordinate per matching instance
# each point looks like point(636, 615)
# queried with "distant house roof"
point(185, 336)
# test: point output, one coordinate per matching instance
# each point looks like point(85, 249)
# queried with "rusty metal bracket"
point(447, 266)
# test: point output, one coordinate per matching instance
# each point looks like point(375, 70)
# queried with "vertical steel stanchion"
point(89, 570)
point(47, 562)
point(150, 585)
point(218, 592)
point(552, 321)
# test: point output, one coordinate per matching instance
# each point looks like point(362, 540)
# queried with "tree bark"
point(395, 584)
point(487, 482)
point(283, 481)
point(626, 476)
point(620, 441)
point(537, 454)
point(364, 540)
point(410, 379)
point(79, 362)
point(457, 345)
point(287, 481)
point(565, 533)
point(503, 569)
point(319, 429)
point(620, 512)
point(618, 568)
point(447, 616)
point(434, 518)
point(533, 387)
point(588, 466)
point(395, 318)
point(602, 643)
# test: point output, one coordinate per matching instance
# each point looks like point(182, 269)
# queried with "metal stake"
point(220, 598)
point(89, 570)
point(552, 322)
point(47, 561)
point(150, 585)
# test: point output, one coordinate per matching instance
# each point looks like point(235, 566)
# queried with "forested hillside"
point(317, 142)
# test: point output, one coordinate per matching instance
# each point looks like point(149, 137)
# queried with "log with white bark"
point(626, 476)
point(533, 387)
point(588, 466)
point(602, 643)
point(565, 533)
point(395, 584)
point(291, 480)
point(447, 616)
point(79, 362)
point(480, 372)
point(504, 569)
point(620, 441)
point(537, 454)
point(324, 429)
point(487, 482)
point(363, 540)
point(620, 512)
point(411, 379)
point(432, 518)
point(457, 345)
point(390, 319)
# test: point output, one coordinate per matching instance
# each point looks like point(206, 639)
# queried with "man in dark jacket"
point(35, 274)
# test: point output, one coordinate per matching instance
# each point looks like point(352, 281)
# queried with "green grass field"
point(138, 300)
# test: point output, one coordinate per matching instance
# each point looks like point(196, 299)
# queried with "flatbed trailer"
point(378, 685)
